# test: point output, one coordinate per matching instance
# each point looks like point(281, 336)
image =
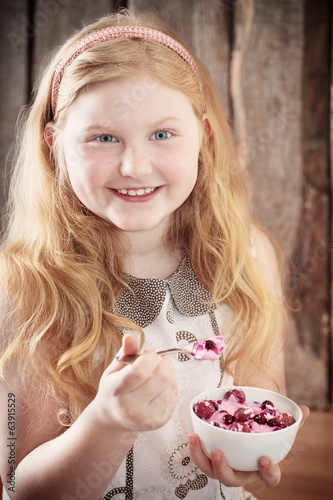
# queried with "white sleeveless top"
point(172, 313)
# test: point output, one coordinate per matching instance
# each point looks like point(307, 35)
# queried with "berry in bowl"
point(245, 423)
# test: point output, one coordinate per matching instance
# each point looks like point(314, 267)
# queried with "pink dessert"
point(234, 413)
point(208, 349)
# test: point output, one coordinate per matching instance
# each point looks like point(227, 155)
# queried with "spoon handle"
point(130, 358)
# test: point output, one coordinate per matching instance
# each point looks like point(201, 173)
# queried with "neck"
point(151, 255)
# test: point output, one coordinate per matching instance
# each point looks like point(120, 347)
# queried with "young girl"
point(129, 228)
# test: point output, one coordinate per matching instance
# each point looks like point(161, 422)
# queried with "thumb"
point(129, 346)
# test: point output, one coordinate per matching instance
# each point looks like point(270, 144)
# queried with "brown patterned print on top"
point(144, 301)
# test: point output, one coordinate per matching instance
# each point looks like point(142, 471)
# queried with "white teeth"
point(137, 192)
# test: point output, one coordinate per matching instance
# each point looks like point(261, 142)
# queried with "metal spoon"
point(129, 359)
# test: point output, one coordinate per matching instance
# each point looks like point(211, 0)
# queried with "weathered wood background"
point(271, 62)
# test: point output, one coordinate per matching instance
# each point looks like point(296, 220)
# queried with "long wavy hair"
point(62, 271)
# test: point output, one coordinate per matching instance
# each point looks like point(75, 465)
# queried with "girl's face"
point(131, 148)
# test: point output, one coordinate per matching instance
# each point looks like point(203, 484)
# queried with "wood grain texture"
point(272, 96)
point(57, 21)
point(15, 34)
point(205, 27)
point(312, 248)
point(242, 27)
point(280, 109)
point(211, 40)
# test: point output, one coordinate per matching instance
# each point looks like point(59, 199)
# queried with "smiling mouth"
point(136, 192)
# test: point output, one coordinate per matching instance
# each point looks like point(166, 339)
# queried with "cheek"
point(180, 165)
point(83, 169)
point(73, 158)
point(186, 167)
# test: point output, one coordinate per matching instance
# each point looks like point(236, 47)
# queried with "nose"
point(135, 163)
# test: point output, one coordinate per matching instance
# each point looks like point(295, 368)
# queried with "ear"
point(48, 134)
point(206, 126)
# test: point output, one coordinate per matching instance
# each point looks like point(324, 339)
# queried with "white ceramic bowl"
point(242, 449)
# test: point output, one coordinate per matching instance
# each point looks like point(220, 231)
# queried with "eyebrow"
point(157, 124)
point(166, 119)
point(96, 125)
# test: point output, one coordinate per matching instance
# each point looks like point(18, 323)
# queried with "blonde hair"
point(61, 272)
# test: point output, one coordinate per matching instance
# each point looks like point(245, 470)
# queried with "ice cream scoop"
point(233, 412)
point(209, 349)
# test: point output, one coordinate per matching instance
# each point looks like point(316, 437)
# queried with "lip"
point(135, 199)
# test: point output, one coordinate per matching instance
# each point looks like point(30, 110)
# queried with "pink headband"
point(117, 32)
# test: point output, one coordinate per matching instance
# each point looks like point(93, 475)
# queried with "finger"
point(305, 413)
point(270, 472)
point(152, 375)
point(134, 376)
point(162, 378)
point(228, 476)
point(163, 390)
point(161, 408)
point(129, 346)
point(198, 457)
point(217, 467)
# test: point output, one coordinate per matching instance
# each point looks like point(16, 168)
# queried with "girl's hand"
point(137, 397)
point(217, 467)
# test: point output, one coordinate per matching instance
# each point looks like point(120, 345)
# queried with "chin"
point(132, 227)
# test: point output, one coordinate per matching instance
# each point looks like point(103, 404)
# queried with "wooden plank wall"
point(271, 62)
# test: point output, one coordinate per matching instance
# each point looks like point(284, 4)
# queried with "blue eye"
point(161, 135)
point(106, 138)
